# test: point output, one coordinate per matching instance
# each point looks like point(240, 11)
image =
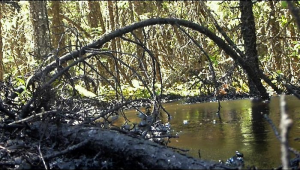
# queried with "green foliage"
point(22, 97)
point(284, 4)
point(283, 21)
point(137, 91)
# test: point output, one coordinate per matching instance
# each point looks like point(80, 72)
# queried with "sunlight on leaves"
point(84, 91)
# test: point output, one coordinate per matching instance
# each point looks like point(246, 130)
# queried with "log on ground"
point(140, 152)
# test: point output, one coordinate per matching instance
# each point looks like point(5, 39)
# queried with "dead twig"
point(285, 125)
point(272, 126)
point(33, 117)
point(7, 163)
point(69, 149)
point(41, 156)
point(278, 135)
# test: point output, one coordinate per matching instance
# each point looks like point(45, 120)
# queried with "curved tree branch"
point(106, 38)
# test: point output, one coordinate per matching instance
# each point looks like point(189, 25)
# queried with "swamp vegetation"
point(71, 73)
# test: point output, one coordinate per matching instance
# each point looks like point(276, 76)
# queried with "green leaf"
point(284, 4)
point(20, 80)
point(103, 60)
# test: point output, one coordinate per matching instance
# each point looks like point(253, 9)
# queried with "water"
point(242, 128)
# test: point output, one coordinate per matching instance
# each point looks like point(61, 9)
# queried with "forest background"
point(67, 26)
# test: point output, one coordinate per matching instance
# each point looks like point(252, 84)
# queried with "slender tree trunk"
point(139, 9)
point(1, 50)
point(14, 51)
point(20, 52)
point(102, 23)
point(39, 19)
point(275, 41)
point(113, 63)
point(57, 28)
point(93, 15)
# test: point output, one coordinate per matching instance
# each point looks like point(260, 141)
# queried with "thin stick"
point(33, 117)
point(42, 157)
point(285, 124)
point(278, 135)
point(69, 149)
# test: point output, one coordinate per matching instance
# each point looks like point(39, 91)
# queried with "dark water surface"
point(242, 128)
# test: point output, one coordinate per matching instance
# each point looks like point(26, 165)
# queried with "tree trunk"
point(119, 47)
point(249, 36)
point(113, 64)
point(41, 39)
point(93, 15)
point(139, 10)
point(275, 30)
point(57, 28)
point(1, 50)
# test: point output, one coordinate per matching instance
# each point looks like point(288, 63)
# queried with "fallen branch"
point(143, 153)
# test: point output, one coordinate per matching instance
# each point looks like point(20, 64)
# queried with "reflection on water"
point(242, 128)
